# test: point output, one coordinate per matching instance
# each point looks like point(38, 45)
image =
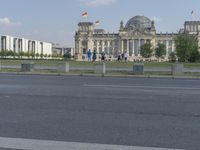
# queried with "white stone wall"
point(46, 48)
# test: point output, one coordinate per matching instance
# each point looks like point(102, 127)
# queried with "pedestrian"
point(94, 57)
point(126, 56)
point(89, 55)
point(102, 56)
point(119, 56)
point(122, 56)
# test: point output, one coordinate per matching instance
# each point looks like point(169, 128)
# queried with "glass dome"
point(139, 22)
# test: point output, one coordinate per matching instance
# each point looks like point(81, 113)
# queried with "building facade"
point(58, 49)
point(137, 31)
point(18, 45)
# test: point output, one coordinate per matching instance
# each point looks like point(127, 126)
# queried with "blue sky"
point(56, 20)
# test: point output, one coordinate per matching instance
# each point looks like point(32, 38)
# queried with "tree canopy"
point(187, 49)
point(146, 50)
point(160, 50)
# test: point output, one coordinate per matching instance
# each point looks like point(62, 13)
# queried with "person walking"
point(119, 56)
point(94, 57)
point(122, 56)
point(126, 56)
point(103, 56)
point(89, 55)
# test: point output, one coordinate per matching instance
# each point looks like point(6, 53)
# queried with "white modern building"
point(18, 45)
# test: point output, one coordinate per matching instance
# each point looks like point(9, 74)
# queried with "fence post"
point(138, 69)
point(100, 68)
point(177, 69)
point(63, 67)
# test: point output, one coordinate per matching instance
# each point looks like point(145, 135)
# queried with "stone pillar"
point(128, 46)
point(103, 46)
point(90, 44)
point(108, 47)
point(133, 47)
point(97, 46)
point(167, 48)
point(4, 43)
point(173, 46)
point(78, 51)
point(139, 47)
point(122, 46)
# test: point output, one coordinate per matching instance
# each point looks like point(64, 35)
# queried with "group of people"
point(92, 56)
point(123, 56)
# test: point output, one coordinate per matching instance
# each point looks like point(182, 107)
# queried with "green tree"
point(11, 53)
point(28, 55)
point(41, 56)
point(49, 56)
point(187, 47)
point(67, 55)
point(6, 53)
point(15, 54)
point(146, 50)
point(172, 57)
point(2, 53)
point(37, 55)
point(32, 54)
point(45, 55)
point(160, 51)
point(22, 54)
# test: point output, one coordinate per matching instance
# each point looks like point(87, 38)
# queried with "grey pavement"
point(120, 111)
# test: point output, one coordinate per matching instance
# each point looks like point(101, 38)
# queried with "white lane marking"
point(28, 144)
point(144, 87)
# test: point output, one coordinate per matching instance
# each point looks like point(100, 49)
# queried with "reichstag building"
point(131, 36)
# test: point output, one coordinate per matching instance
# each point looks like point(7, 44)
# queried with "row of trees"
point(187, 49)
point(147, 51)
point(31, 55)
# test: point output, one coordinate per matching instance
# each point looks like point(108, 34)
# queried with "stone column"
point(4, 43)
point(108, 47)
point(80, 47)
point(128, 46)
point(79, 50)
point(167, 48)
point(103, 46)
point(173, 47)
point(139, 47)
point(133, 47)
point(97, 46)
point(122, 46)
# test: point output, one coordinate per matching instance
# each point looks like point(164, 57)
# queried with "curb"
point(102, 75)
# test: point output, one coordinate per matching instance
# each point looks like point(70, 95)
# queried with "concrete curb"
point(102, 75)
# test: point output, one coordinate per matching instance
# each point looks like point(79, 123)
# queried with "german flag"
point(85, 14)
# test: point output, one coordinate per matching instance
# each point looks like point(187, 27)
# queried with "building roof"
point(139, 22)
point(85, 23)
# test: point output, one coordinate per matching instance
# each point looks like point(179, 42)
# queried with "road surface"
point(130, 112)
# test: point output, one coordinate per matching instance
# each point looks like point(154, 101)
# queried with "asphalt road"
point(123, 111)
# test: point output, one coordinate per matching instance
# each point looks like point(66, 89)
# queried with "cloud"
point(7, 21)
point(96, 3)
